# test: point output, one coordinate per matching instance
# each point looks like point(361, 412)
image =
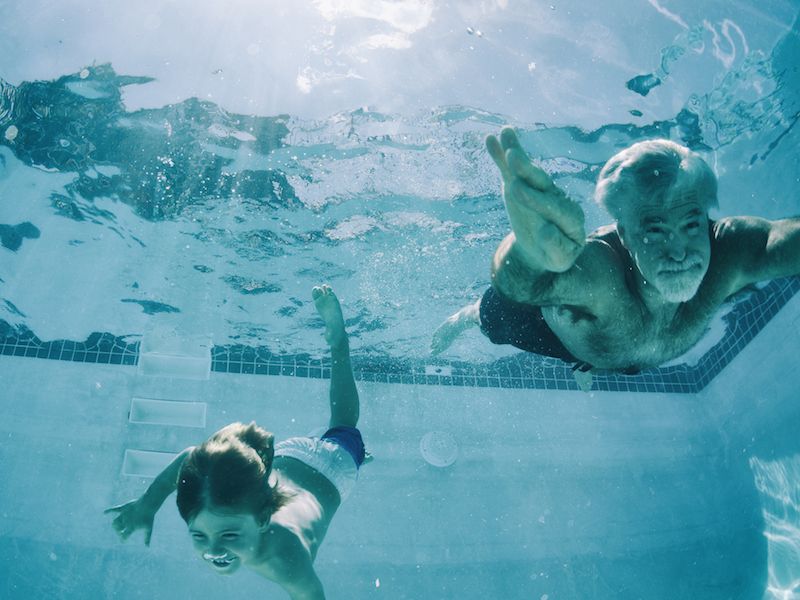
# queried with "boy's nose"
point(214, 551)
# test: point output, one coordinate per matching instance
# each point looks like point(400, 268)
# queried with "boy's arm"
point(139, 513)
point(306, 586)
point(292, 568)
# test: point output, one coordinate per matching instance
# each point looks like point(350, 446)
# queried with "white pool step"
point(154, 412)
point(149, 411)
point(168, 354)
point(145, 463)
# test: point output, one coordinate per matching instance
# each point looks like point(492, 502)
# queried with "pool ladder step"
point(159, 412)
point(166, 354)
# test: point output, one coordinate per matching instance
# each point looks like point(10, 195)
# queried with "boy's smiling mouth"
point(222, 561)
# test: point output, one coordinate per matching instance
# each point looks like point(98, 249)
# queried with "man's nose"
point(676, 247)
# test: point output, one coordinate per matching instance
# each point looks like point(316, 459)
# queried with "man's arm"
point(594, 281)
point(139, 513)
point(757, 249)
point(547, 227)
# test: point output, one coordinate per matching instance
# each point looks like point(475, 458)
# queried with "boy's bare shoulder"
point(287, 562)
point(282, 552)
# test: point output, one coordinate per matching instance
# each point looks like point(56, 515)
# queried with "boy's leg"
point(343, 394)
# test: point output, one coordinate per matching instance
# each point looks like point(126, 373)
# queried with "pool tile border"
point(520, 371)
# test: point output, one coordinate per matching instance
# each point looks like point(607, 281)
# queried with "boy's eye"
point(230, 536)
point(198, 536)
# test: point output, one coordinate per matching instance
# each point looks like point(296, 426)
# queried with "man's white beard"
point(681, 286)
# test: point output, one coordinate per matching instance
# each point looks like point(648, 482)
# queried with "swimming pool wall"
point(520, 371)
point(555, 493)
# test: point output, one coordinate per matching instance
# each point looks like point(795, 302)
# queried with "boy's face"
point(226, 539)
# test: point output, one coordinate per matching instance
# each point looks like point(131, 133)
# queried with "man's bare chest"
point(631, 339)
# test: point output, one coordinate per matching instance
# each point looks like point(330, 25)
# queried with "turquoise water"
point(196, 170)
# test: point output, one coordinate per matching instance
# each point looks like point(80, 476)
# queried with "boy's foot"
point(331, 312)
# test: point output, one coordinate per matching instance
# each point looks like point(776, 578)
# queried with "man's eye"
point(694, 226)
point(654, 231)
point(198, 536)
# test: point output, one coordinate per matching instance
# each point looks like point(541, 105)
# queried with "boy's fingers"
point(148, 534)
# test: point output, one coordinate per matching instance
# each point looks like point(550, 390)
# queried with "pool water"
point(175, 178)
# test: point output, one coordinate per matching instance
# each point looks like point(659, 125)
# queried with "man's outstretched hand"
point(547, 225)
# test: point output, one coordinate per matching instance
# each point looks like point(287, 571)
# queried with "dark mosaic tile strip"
point(100, 348)
point(744, 322)
point(520, 371)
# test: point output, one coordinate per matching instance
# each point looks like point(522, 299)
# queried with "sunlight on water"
point(778, 483)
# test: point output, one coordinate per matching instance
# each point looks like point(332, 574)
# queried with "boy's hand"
point(131, 516)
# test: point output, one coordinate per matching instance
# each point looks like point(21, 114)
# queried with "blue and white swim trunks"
point(337, 455)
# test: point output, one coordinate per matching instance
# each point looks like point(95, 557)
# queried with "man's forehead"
point(681, 209)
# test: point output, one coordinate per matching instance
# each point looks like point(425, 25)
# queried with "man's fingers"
point(147, 535)
point(519, 163)
point(552, 206)
point(521, 166)
point(509, 139)
point(498, 155)
point(560, 251)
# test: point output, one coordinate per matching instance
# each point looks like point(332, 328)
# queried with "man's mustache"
point(690, 262)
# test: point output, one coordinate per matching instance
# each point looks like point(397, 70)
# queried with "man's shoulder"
point(734, 228)
point(607, 233)
point(738, 236)
point(603, 265)
point(604, 246)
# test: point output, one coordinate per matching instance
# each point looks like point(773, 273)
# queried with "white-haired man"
point(633, 294)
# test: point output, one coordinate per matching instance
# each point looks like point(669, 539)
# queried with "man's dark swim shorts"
point(521, 325)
